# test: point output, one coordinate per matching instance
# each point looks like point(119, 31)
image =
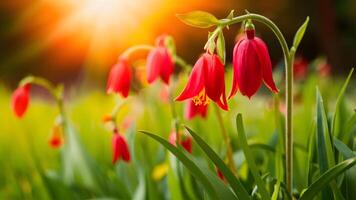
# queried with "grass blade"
point(210, 182)
point(325, 179)
point(249, 157)
point(236, 185)
point(340, 98)
point(343, 149)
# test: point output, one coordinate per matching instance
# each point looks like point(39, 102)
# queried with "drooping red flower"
point(56, 139)
point(251, 65)
point(20, 100)
point(120, 76)
point(159, 62)
point(206, 81)
point(185, 141)
point(192, 110)
point(300, 68)
point(120, 148)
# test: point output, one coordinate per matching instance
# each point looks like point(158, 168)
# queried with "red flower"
point(324, 69)
point(120, 78)
point(20, 100)
point(252, 65)
point(192, 110)
point(56, 139)
point(159, 62)
point(206, 82)
point(120, 148)
point(186, 141)
point(300, 68)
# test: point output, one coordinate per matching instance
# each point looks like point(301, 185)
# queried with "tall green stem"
point(288, 60)
point(229, 152)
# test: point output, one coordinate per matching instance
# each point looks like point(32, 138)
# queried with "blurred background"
point(78, 40)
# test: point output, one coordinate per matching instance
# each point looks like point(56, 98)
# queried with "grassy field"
point(31, 169)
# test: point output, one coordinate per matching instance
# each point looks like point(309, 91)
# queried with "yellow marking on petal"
point(160, 171)
point(201, 98)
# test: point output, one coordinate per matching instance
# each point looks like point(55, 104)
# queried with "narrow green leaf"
point(276, 190)
point(300, 33)
point(231, 14)
point(343, 149)
point(338, 104)
point(325, 179)
point(199, 19)
point(220, 46)
point(249, 157)
point(324, 147)
point(236, 185)
point(210, 182)
point(311, 150)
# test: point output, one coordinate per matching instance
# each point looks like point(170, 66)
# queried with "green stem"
point(229, 152)
point(288, 60)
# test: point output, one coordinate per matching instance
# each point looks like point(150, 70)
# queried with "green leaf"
point(325, 179)
point(210, 182)
point(311, 150)
point(220, 46)
point(236, 185)
point(324, 146)
point(338, 104)
point(249, 157)
point(349, 127)
point(276, 190)
point(343, 149)
point(199, 19)
point(231, 14)
point(300, 33)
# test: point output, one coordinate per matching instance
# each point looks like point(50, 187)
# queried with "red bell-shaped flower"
point(120, 78)
point(56, 139)
point(120, 148)
point(185, 141)
point(206, 81)
point(159, 62)
point(251, 65)
point(192, 110)
point(20, 100)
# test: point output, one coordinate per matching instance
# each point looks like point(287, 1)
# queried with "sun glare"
point(109, 24)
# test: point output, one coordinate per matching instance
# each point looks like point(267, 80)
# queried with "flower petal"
point(265, 61)
point(119, 80)
point(195, 82)
point(116, 151)
point(249, 75)
point(154, 64)
point(20, 100)
point(124, 149)
point(236, 55)
point(167, 65)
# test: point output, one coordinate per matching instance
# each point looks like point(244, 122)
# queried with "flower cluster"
point(159, 64)
point(251, 65)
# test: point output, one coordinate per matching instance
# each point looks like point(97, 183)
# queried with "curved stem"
point(288, 60)
point(136, 52)
point(229, 152)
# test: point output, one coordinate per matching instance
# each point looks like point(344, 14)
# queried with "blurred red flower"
point(20, 100)
point(56, 139)
point(120, 78)
point(159, 62)
point(186, 141)
point(120, 148)
point(206, 81)
point(251, 65)
point(300, 68)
